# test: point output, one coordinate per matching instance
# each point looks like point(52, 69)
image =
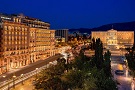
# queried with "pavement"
point(124, 80)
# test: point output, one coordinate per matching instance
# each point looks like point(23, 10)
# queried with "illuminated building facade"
point(113, 39)
point(24, 40)
point(63, 33)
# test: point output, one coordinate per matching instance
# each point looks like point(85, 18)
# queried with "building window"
point(9, 32)
point(5, 27)
point(9, 27)
point(5, 42)
point(26, 29)
point(5, 32)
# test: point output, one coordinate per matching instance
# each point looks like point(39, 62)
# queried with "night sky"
point(73, 13)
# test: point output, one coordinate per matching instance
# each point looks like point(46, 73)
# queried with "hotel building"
point(113, 39)
point(24, 40)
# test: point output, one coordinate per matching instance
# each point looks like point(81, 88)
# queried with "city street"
point(123, 80)
point(28, 68)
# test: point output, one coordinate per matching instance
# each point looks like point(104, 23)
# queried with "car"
point(119, 72)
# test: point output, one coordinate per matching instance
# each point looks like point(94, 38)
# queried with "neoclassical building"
point(24, 40)
point(113, 39)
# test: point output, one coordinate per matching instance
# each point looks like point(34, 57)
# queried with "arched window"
point(23, 29)
point(5, 27)
point(9, 27)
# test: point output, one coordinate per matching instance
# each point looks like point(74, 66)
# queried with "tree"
point(49, 79)
point(107, 63)
point(131, 60)
point(93, 44)
point(61, 65)
point(74, 78)
point(99, 53)
point(89, 81)
point(105, 83)
point(84, 74)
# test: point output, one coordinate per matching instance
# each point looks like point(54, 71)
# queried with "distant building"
point(89, 53)
point(24, 40)
point(58, 39)
point(63, 33)
point(113, 39)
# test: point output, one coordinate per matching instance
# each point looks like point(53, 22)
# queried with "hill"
point(126, 26)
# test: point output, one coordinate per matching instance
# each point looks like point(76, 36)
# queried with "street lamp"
point(4, 77)
point(36, 72)
point(14, 81)
point(22, 78)
point(7, 81)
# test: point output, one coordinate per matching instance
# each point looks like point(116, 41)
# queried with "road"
point(124, 80)
point(29, 68)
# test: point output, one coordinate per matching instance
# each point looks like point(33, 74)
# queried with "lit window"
point(22, 29)
point(9, 27)
point(16, 28)
point(5, 27)
point(5, 42)
point(5, 32)
point(13, 28)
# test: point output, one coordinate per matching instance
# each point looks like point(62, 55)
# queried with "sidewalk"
point(27, 85)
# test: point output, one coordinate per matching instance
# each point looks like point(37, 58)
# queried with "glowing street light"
point(4, 76)
point(14, 81)
point(7, 79)
point(36, 72)
point(22, 78)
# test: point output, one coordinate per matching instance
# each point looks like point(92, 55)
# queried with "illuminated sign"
point(5, 18)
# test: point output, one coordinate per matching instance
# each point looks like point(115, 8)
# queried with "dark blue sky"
point(73, 13)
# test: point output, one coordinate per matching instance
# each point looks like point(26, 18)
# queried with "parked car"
point(119, 72)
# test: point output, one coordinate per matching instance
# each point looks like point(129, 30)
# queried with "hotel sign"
point(7, 18)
